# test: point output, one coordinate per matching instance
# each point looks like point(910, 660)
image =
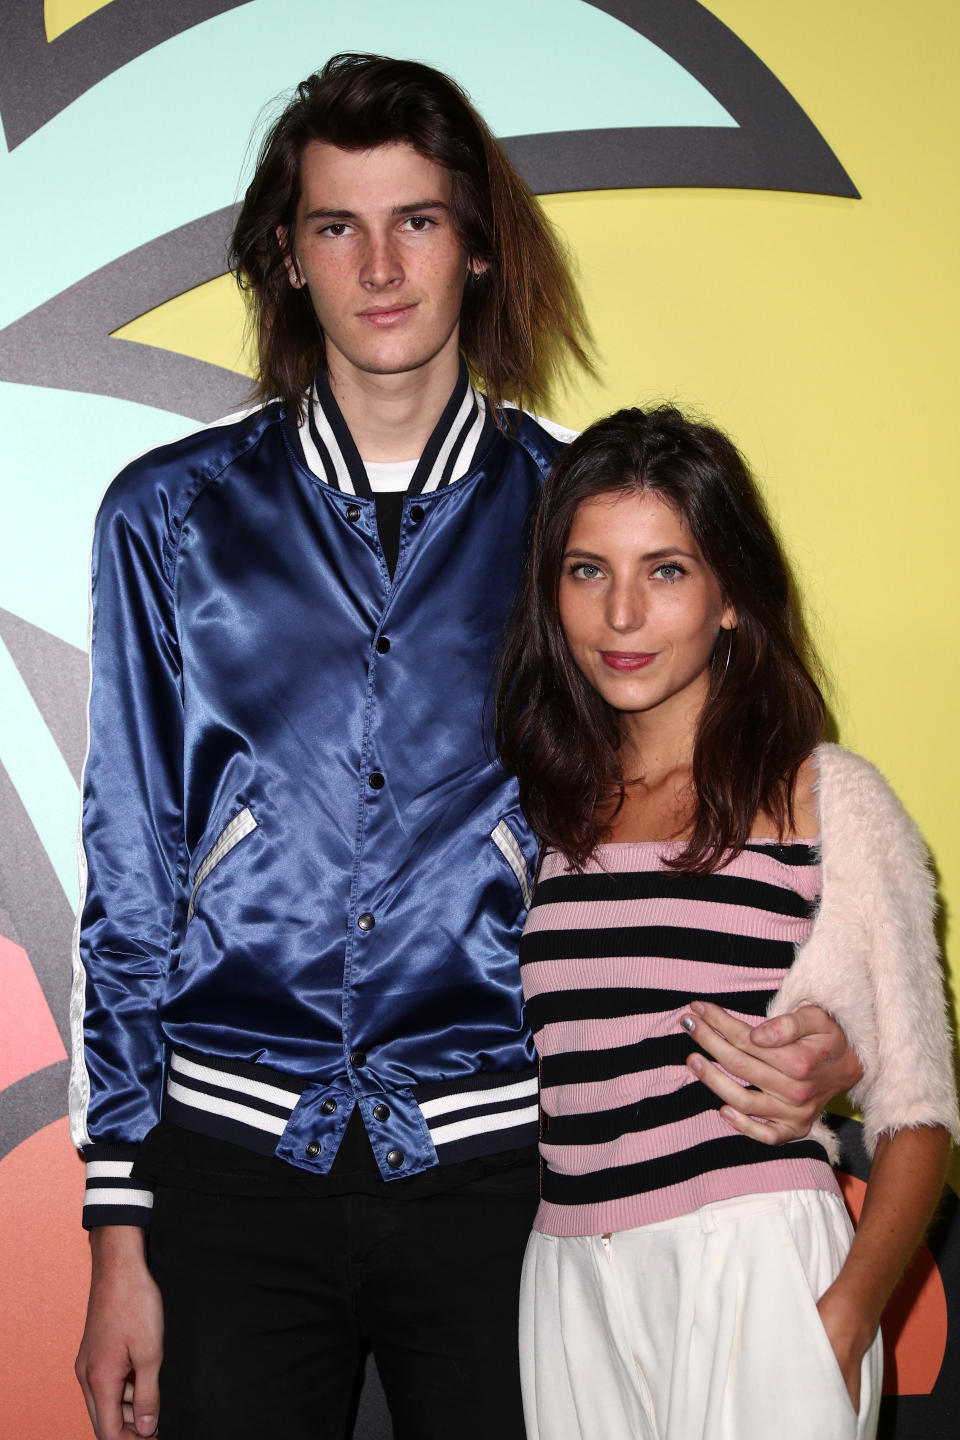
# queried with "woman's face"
point(640, 608)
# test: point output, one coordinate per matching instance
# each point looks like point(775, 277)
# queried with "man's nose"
point(382, 265)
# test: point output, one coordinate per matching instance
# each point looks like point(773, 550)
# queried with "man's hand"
point(118, 1363)
point(797, 1062)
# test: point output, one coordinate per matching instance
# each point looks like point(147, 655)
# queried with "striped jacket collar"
point(328, 449)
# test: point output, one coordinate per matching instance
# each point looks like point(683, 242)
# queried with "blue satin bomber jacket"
point(305, 877)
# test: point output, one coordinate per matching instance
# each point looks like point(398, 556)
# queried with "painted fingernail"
point(697, 1007)
point(688, 1023)
point(696, 1063)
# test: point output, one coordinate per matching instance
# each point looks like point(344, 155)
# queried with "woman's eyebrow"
point(649, 555)
point(671, 550)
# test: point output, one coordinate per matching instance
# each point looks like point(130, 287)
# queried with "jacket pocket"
point(509, 847)
point(240, 826)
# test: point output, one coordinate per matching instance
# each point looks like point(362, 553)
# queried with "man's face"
point(376, 248)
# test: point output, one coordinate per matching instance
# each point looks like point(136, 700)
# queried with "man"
point(299, 1034)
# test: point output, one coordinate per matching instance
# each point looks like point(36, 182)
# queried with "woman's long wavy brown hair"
point(764, 712)
point(522, 321)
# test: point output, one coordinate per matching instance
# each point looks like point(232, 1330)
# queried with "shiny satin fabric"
point(236, 668)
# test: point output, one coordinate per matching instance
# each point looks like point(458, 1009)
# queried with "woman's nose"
point(625, 608)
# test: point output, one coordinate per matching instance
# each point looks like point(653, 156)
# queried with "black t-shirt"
point(389, 505)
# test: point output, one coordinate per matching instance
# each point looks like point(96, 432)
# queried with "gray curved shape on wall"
point(57, 676)
point(42, 923)
point(776, 146)
point(66, 342)
point(33, 1103)
point(41, 77)
point(37, 915)
point(42, 917)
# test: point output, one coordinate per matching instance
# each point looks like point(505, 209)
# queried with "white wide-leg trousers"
point(700, 1328)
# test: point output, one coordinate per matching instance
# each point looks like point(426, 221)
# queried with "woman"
point(685, 1279)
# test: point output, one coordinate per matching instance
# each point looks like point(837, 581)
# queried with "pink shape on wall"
point(29, 1038)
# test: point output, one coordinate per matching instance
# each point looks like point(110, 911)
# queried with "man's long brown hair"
point(764, 712)
point(521, 320)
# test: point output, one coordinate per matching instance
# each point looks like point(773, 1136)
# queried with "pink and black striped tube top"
point(611, 960)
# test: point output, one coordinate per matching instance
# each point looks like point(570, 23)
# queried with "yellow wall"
point(821, 333)
point(62, 15)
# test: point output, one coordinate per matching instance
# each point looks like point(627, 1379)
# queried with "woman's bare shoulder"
point(805, 820)
point(806, 817)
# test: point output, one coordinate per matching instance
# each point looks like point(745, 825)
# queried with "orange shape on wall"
point(29, 1038)
point(44, 1261)
point(915, 1322)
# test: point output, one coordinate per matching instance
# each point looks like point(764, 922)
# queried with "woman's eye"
point(419, 222)
point(585, 570)
point(670, 570)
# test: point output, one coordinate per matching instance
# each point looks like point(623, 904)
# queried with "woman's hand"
point(849, 1336)
point(905, 1182)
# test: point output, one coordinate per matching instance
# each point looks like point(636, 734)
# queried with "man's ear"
point(289, 260)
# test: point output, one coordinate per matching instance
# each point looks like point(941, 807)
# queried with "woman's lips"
point(627, 659)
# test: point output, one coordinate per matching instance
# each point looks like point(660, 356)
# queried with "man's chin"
point(395, 356)
point(409, 363)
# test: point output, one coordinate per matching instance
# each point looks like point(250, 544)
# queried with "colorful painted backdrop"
point(761, 202)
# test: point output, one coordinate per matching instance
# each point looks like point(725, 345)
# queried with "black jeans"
point(270, 1305)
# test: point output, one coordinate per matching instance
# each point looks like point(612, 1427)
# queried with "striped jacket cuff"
point(112, 1196)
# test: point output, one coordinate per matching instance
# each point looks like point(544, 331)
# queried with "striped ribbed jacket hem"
point(255, 1107)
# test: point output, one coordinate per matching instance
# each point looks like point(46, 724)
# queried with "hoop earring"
point(726, 663)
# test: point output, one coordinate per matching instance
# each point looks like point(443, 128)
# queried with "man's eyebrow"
point(420, 206)
point(328, 213)
point(324, 212)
